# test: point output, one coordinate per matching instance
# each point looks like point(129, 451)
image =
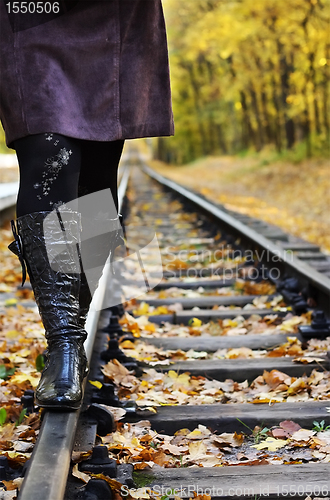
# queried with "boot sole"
point(59, 407)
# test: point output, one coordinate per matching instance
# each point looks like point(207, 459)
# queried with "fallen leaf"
point(287, 428)
point(274, 378)
point(118, 413)
point(20, 378)
point(290, 426)
point(302, 435)
point(271, 444)
point(80, 475)
point(113, 483)
point(231, 439)
point(96, 383)
point(197, 450)
point(195, 322)
point(200, 433)
point(297, 386)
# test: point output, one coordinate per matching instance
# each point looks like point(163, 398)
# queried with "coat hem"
point(134, 132)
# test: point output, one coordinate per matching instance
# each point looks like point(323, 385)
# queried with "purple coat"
point(98, 70)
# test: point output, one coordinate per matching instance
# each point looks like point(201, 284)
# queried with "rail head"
point(285, 259)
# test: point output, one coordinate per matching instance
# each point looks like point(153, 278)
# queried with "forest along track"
point(224, 376)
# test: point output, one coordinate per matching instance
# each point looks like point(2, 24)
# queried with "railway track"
point(232, 312)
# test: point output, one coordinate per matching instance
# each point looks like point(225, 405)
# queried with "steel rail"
point(47, 473)
point(286, 260)
point(8, 196)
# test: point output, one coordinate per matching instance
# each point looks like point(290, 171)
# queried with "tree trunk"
point(278, 127)
point(325, 106)
point(268, 130)
point(196, 93)
point(307, 126)
point(286, 69)
point(248, 133)
point(259, 134)
point(317, 115)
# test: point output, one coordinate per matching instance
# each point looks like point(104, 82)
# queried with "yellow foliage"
point(252, 65)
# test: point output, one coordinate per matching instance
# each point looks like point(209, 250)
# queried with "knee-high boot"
point(47, 243)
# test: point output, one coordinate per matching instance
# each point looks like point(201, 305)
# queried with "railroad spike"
point(95, 489)
point(300, 306)
point(103, 417)
point(117, 310)
point(290, 284)
point(113, 352)
point(128, 336)
point(113, 327)
point(27, 400)
point(319, 328)
point(3, 468)
point(296, 300)
point(100, 463)
point(106, 395)
point(6, 472)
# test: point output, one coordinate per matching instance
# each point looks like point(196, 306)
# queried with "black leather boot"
point(47, 243)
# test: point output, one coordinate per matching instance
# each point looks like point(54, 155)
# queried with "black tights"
point(55, 169)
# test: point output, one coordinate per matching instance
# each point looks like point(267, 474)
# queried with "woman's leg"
point(46, 239)
point(50, 166)
point(99, 167)
point(98, 172)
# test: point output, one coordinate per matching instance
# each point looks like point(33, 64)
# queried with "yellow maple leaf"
point(229, 322)
point(271, 444)
point(269, 397)
point(144, 383)
point(182, 379)
point(199, 433)
point(19, 378)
